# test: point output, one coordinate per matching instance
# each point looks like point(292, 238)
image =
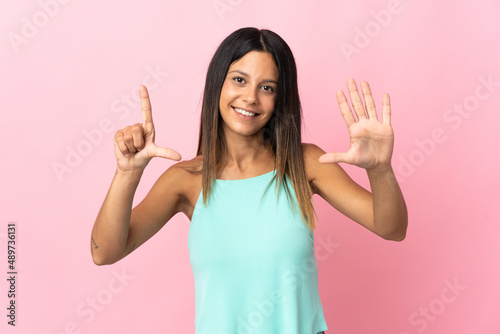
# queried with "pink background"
point(68, 68)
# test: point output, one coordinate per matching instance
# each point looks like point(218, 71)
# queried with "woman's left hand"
point(372, 140)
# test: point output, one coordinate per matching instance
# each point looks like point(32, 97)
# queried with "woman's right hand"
point(135, 145)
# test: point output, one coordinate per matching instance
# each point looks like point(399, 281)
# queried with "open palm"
point(371, 140)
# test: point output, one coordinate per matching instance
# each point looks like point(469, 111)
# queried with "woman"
point(251, 252)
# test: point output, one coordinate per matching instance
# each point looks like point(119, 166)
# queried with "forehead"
point(256, 64)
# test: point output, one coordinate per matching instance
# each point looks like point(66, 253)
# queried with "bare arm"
point(383, 211)
point(111, 228)
point(390, 216)
point(118, 229)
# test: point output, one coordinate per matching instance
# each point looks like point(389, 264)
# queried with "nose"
point(250, 95)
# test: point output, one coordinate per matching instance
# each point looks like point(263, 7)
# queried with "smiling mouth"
point(244, 112)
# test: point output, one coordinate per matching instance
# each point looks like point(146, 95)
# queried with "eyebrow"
point(246, 75)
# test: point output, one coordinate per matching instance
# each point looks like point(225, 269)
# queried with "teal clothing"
point(253, 262)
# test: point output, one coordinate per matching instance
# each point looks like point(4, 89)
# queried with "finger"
point(357, 103)
point(167, 153)
point(147, 115)
point(333, 158)
point(138, 137)
point(345, 109)
point(386, 109)
point(370, 104)
point(128, 139)
point(118, 140)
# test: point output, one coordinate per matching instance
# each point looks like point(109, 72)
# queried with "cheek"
point(268, 103)
point(227, 92)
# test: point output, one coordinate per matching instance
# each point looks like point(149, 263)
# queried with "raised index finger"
point(147, 115)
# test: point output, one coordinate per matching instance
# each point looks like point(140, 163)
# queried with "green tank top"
point(253, 262)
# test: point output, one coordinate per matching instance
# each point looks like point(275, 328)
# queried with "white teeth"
point(243, 112)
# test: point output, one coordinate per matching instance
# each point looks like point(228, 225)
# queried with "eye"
point(269, 89)
point(239, 80)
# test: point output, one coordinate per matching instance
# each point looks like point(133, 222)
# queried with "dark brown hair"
point(283, 130)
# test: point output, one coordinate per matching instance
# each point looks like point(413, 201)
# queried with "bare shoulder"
point(316, 171)
point(177, 180)
point(311, 153)
point(184, 173)
point(189, 167)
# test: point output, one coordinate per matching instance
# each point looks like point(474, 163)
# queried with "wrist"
point(380, 170)
point(133, 173)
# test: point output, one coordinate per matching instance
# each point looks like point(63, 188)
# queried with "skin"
point(250, 84)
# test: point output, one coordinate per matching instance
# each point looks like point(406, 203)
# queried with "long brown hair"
point(283, 130)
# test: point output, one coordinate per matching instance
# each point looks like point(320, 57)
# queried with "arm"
point(111, 228)
point(389, 207)
point(118, 229)
point(383, 211)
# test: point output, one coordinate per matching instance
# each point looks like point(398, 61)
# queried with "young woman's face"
point(249, 92)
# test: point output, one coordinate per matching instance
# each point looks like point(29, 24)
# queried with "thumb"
point(336, 157)
point(167, 153)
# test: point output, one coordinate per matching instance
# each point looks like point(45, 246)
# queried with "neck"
point(247, 153)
